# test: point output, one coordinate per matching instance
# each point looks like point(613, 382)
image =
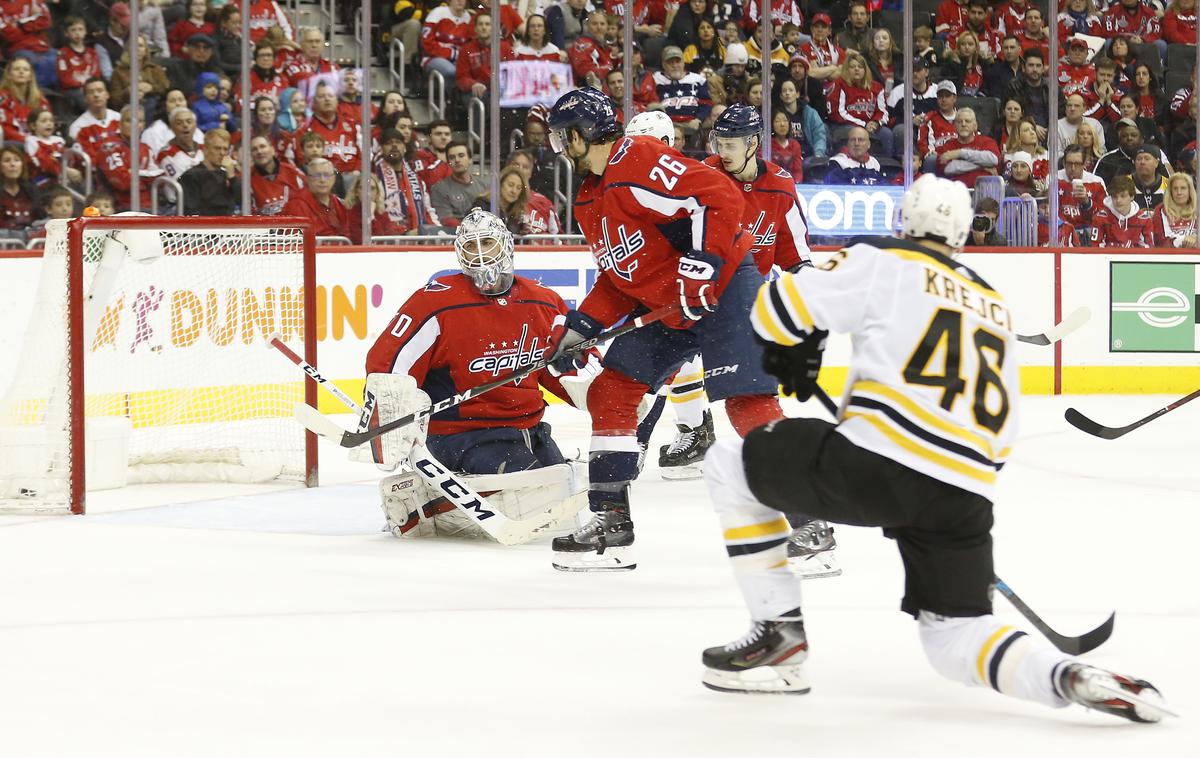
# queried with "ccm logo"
point(717, 371)
point(455, 491)
point(694, 269)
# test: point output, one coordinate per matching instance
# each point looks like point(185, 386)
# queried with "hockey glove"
point(577, 328)
point(697, 284)
point(796, 367)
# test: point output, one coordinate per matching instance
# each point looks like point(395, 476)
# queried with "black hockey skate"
point(810, 550)
point(684, 458)
point(603, 544)
point(1091, 687)
point(769, 659)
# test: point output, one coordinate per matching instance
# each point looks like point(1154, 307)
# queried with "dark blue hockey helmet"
point(586, 110)
point(739, 120)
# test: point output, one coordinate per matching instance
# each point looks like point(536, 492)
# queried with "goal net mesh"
point(175, 369)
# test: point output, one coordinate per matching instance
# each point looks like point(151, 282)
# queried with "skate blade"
point(818, 566)
point(613, 559)
point(760, 680)
point(1148, 708)
point(680, 473)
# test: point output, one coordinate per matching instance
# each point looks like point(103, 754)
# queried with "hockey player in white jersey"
point(927, 420)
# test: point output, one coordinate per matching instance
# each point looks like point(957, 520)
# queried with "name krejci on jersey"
point(504, 361)
point(948, 288)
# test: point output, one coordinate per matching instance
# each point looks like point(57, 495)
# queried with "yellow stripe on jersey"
point(791, 296)
point(681, 380)
point(978, 441)
point(884, 427)
point(758, 531)
point(764, 320)
point(689, 397)
point(912, 255)
point(981, 662)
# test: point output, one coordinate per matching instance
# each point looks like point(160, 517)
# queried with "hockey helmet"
point(654, 124)
point(736, 121)
point(938, 209)
point(484, 246)
point(586, 110)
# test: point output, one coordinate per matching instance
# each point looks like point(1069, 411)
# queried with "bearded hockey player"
point(460, 331)
point(664, 230)
point(916, 450)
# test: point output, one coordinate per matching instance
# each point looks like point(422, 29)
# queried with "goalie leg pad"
point(396, 396)
point(410, 505)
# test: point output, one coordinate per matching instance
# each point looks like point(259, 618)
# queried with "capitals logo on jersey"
point(505, 359)
point(763, 238)
point(614, 257)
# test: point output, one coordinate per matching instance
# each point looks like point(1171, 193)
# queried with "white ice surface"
point(201, 620)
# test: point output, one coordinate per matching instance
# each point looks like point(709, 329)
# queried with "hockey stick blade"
point(354, 439)
point(317, 423)
point(1078, 318)
point(1085, 424)
point(1084, 643)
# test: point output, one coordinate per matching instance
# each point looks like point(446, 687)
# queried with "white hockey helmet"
point(653, 123)
point(937, 209)
point(485, 251)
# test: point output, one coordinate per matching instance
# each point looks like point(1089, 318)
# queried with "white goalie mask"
point(485, 251)
point(655, 124)
point(937, 208)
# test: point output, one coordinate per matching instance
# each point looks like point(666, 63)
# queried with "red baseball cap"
point(822, 18)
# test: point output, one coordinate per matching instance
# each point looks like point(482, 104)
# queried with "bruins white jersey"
point(933, 379)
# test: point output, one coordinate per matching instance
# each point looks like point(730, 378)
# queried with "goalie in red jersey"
point(458, 332)
point(664, 230)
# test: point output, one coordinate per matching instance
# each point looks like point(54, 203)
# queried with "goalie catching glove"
point(396, 396)
point(796, 367)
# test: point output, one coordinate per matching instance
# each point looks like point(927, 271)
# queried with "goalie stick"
point(490, 519)
point(1069, 645)
point(1085, 424)
point(1078, 318)
point(317, 423)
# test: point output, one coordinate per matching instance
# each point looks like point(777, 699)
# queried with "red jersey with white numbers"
point(1111, 229)
point(443, 34)
point(116, 166)
point(450, 338)
point(652, 206)
point(773, 216)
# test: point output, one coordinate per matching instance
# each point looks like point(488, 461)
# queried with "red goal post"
point(147, 334)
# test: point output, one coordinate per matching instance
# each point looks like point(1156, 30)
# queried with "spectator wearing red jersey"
point(1076, 75)
point(963, 64)
point(950, 18)
point(536, 44)
point(382, 225)
point(264, 123)
point(590, 56)
point(1100, 99)
point(1034, 34)
point(183, 150)
point(265, 14)
point(939, 127)
point(785, 151)
point(430, 162)
point(1079, 17)
point(447, 28)
point(272, 181)
point(1179, 24)
point(310, 61)
point(1151, 100)
point(194, 23)
point(120, 171)
point(977, 23)
point(318, 203)
point(1080, 192)
point(265, 80)
point(1027, 141)
point(540, 216)
point(44, 149)
point(406, 206)
point(1010, 16)
point(473, 69)
point(350, 103)
point(969, 155)
point(16, 194)
point(1120, 222)
point(77, 61)
point(25, 33)
point(19, 97)
point(341, 134)
point(98, 123)
point(1136, 19)
point(822, 53)
point(857, 100)
point(1175, 220)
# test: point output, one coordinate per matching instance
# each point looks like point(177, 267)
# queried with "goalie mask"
point(485, 252)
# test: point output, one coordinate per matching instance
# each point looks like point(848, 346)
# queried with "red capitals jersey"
point(977, 143)
point(989, 40)
point(182, 30)
point(90, 132)
point(589, 57)
point(263, 15)
point(117, 168)
point(539, 216)
point(1010, 18)
point(1076, 80)
point(474, 65)
point(1111, 229)
point(937, 131)
point(272, 86)
point(271, 192)
point(772, 216)
point(1143, 22)
point(341, 141)
point(1079, 210)
point(652, 206)
point(1068, 236)
point(450, 338)
point(1170, 232)
point(444, 33)
point(75, 68)
point(849, 104)
point(298, 68)
point(45, 157)
point(328, 220)
point(14, 116)
point(1179, 27)
point(26, 25)
point(951, 17)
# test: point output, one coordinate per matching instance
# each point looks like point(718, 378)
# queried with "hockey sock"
point(688, 400)
point(747, 412)
point(650, 420)
point(612, 402)
point(979, 651)
point(755, 536)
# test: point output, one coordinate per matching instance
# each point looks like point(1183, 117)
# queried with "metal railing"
point(1018, 221)
point(396, 50)
point(989, 186)
point(437, 94)
point(11, 243)
point(476, 124)
point(75, 151)
point(564, 197)
point(334, 240)
point(515, 137)
point(169, 183)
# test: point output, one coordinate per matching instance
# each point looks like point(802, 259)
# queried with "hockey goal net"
point(143, 359)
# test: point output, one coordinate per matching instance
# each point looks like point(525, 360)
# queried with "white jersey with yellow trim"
point(933, 380)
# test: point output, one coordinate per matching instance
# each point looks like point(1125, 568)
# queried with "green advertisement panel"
point(1153, 307)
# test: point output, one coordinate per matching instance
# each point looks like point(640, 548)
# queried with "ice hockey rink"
point(202, 620)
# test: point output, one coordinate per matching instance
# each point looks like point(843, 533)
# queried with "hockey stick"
point(1078, 318)
point(319, 424)
point(1069, 645)
point(504, 530)
point(1085, 424)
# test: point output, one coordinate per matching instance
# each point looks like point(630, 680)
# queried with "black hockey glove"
point(577, 328)
point(796, 367)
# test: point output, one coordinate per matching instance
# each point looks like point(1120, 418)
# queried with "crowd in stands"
point(980, 96)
